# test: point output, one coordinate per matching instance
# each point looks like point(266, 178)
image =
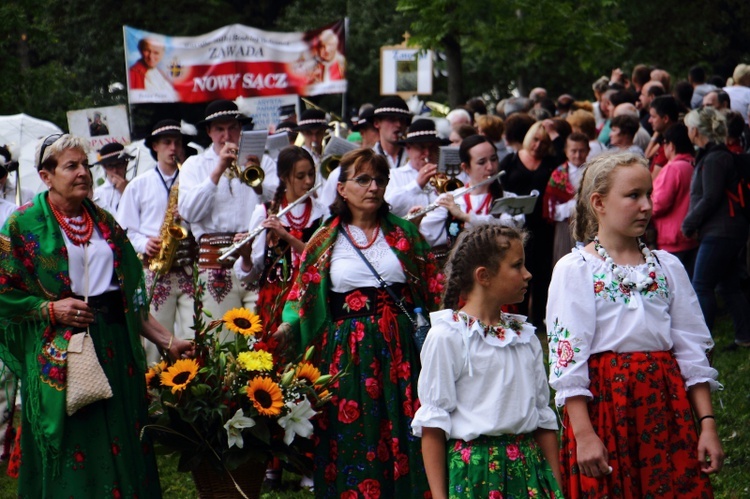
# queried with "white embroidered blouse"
point(474, 384)
point(588, 312)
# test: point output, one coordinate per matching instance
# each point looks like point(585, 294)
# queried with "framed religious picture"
point(405, 70)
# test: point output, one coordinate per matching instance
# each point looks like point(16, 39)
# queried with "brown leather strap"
point(210, 248)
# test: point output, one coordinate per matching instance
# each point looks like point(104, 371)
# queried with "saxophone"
point(171, 234)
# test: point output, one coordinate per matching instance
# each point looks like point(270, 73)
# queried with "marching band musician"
point(391, 118)
point(143, 211)
point(313, 125)
point(410, 184)
point(114, 161)
point(441, 227)
point(218, 205)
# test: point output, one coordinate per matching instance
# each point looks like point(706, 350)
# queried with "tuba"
point(171, 234)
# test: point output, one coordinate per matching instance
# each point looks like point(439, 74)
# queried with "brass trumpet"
point(328, 164)
point(253, 175)
point(443, 183)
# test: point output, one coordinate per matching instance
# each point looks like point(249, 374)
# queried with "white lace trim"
point(374, 253)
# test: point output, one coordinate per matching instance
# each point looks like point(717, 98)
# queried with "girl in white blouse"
point(483, 384)
point(628, 345)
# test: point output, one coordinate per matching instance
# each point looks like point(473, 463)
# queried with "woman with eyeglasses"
point(363, 441)
point(66, 267)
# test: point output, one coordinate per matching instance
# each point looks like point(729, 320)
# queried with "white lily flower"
point(235, 426)
point(297, 422)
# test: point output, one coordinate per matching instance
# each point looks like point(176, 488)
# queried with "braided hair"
point(288, 157)
point(486, 246)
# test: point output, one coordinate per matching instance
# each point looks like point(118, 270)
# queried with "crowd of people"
point(633, 230)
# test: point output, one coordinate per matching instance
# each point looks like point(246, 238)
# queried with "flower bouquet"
point(236, 402)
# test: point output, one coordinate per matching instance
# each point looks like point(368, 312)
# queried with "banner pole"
point(346, 50)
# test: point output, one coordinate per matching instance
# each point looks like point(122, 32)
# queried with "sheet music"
point(515, 205)
point(449, 161)
point(252, 143)
point(275, 143)
point(337, 146)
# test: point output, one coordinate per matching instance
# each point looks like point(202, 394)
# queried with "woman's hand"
point(283, 335)
point(245, 251)
point(592, 455)
point(710, 453)
point(72, 312)
point(273, 224)
point(181, 349)
point(447, 202)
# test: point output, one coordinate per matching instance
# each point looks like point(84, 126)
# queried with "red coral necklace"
point(369, 243)
point(79, 231)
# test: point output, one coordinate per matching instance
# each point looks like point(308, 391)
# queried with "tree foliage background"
point(59, 56)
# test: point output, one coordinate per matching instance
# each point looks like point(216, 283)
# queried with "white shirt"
point(144, 205)
point(209, 207)
point(100, 262)
point(739, 99)
point(259, 243)
point(433, 224)
point(564, 210)
point(327, 193)
point(472, 384)
point(349, 272)
point(107, 197)
point(6, 208)
point(595, 149)
point(588, 314)
point(400, 160)
point(403, 192)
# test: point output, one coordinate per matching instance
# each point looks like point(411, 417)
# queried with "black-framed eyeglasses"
point(48, 141)
point(366, 181)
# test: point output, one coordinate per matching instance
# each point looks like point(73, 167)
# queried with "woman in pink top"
point(671, 197)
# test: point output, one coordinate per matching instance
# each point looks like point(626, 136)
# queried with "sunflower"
point(241, 320)
point(153, 374)
point(180, 374)
point(266, 396)
point(308, 372)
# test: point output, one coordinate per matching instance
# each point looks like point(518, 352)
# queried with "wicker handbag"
point(86, 380)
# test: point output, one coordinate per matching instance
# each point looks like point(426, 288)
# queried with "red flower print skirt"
point(641, 412)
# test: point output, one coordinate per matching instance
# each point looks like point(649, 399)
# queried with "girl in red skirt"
point(628, 350)
point(272, 260)
point(483, 386)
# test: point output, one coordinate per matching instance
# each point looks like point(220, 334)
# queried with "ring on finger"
point(78, 313)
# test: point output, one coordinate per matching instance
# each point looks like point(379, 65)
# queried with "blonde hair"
point(709, 122)
point(529, 137)
point(53, 150)
point(597, 178)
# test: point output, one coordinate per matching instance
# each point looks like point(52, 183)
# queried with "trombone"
point(230, 250)
point(458, 192)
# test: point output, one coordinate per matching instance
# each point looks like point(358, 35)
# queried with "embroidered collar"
point(507, 324)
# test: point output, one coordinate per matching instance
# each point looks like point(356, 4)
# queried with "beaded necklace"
point(299, 222)
point(78, 229)
point(483, 208)
point(620, 273)
point(369, 243)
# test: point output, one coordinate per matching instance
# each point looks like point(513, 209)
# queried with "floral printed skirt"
point(101, 454)
point(641, 412)
point(505, 466)
point(363, 442)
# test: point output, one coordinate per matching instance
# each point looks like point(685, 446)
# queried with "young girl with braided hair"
point(486, 425)
point(628, 345)
point(272, 260)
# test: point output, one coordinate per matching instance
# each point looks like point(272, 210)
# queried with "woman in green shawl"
point(66, 266)
point(363, 441)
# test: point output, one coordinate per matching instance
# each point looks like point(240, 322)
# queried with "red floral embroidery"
point(374, 390)
point(348, 411)
point(356, 301)
point(513, 452)
point(598, 287)
point(564, 353)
